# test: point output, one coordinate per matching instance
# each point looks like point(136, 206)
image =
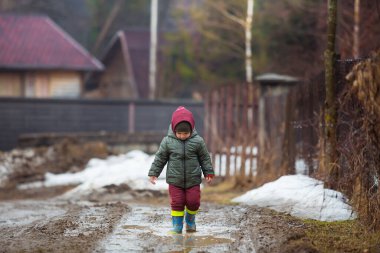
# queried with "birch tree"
point(248, 41)
point(207, 47)
point(246, 24)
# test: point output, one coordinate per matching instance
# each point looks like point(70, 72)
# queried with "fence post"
point(274, 87)
point(288, 152)
point(131, 117)
point(206, 123)
point(221, 125)
point(229, 132)
point(213, 127)
point(244, 130)
point(252, 126)
point(236, 127)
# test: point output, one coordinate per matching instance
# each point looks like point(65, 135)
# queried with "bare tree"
point(247, 26)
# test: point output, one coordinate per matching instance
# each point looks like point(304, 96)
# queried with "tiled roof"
point(36, 42)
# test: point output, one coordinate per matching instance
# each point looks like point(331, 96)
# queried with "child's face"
point(182, 135)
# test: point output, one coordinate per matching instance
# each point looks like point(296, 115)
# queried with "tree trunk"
point(330, 155)
point(355, 44)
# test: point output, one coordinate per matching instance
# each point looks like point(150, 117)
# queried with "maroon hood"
point(182, 114)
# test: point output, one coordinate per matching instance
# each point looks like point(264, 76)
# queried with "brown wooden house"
point(126, 61)
point(39, 59)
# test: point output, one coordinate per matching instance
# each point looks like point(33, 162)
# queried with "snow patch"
point(131, 168)
point(300, 196)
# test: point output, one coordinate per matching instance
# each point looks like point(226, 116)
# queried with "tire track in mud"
point(50, 226)
point(145, 229)
point(266, 231)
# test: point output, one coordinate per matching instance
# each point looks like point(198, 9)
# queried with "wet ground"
point(55, 226)
point(139, 222)
point(118, 219)
point(145, 229)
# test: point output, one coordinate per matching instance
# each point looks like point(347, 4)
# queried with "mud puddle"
point(55, 225)
point(145, 228)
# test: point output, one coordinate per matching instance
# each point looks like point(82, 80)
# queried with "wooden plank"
point(221, 130)
point(229, 125)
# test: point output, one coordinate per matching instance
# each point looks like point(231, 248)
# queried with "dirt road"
point(59, 225)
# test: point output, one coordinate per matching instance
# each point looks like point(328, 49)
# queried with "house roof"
point(36, 42)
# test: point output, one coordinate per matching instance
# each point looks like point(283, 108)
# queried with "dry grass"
point(221, 192)
point(343, 236)
point(360, 147)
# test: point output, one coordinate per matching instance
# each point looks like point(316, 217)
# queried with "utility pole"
point(153, 49)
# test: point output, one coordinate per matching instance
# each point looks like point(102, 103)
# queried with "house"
point(40, 60)
point(126, 61)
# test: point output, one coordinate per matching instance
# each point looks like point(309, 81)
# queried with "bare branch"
point(230, 45)
point(227, 15)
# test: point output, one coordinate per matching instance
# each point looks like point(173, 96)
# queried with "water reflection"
point(189, 241)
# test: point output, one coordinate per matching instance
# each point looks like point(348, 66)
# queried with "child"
point(187, 157)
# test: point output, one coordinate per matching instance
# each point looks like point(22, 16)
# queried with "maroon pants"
point(190, 197)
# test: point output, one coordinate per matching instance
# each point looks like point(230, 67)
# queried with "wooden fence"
point(260, 133)
point(251, 135)
point(230, 129)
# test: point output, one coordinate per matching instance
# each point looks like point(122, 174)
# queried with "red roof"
point(36, 42)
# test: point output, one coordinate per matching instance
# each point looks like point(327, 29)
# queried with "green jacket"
point(186, 160)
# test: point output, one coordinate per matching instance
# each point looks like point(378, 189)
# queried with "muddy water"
point(22, 213)
point(145, 228)
point(55, 225)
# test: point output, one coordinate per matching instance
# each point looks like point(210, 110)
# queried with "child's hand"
point(209, 178)
point(153, 179)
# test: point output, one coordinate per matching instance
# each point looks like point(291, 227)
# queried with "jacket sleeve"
point(160, 159)
point(205, 159)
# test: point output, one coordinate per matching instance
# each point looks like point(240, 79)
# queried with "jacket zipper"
point(184, 164)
